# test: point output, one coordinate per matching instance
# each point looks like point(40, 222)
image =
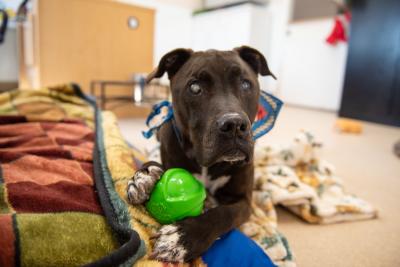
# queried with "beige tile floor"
point(369, 169)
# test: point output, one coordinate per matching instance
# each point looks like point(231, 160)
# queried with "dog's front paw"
point(181, 242)
point(142, 183)
point(168, 246)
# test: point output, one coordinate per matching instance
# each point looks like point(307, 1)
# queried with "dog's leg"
point(142, 183)
point(190, 238)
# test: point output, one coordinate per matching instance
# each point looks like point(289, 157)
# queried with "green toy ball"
point(177, 195)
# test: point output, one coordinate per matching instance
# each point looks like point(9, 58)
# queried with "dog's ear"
point(255, 59)
point(170, 63)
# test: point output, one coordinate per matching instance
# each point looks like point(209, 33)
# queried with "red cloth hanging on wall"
point(340, 29)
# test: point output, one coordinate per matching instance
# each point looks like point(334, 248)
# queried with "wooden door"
point(83, 40)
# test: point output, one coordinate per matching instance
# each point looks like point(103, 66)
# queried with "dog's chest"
point(212, 185)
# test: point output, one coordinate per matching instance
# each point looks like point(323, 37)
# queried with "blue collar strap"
point(269, 104)
point(153, 127)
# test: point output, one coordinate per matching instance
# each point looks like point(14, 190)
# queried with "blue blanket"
point(236, 249)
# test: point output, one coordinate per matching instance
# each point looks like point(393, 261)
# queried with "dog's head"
point(215, 99)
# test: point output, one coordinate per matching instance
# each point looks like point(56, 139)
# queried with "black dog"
point(215, 100)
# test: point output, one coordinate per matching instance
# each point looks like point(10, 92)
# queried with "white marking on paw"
point(167, 247)
point(141, 177)
point(168, 229)
point(155, 170)
point(140, 187)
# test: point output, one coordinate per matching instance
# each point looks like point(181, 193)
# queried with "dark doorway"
point(372, 83)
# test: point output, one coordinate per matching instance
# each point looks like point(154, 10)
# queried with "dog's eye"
point(246, 85)
point(195, 88)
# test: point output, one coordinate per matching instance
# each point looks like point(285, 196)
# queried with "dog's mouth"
point(219, 150)
point(233, 156)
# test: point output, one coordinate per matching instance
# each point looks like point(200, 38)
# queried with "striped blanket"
point(57, 203)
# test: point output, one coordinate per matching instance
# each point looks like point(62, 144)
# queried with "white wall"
point(9, 58)
point(193, 4)
point(10, 4)
point(173, 23)
point(262, 22)
point(8, 50)
point(312, 71)
point(222, 29)
point(280, 14)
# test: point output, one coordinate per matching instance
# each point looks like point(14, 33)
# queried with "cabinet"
point(312, 70)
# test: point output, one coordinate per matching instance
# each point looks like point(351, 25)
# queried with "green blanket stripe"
point(69, 238)
point(119, 206)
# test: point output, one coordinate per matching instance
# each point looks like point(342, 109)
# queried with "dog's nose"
point(233, 124)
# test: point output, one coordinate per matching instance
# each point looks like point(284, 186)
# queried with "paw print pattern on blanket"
point(297, 177)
